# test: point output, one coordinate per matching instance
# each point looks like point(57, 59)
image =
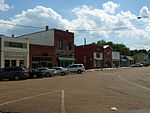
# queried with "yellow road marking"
point(135, 84)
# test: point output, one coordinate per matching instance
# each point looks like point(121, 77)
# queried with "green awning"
point(123, 60)
point(62, 59)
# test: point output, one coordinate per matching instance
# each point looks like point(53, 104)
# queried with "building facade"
point(126, 61)
point(115, 59)
point(107, 56)
point(93, 56)
point(13, 52)
point(42, 56)
point(55, 45)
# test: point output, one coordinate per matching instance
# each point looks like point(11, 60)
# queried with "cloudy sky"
point(114, 20)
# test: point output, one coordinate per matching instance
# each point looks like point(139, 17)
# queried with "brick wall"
point(40, 50)
point(88, 51)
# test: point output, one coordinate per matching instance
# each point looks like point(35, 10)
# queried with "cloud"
point(39, 16)
point(4, 6)
point(90, 23)
point(144, 11)
point(110, 7)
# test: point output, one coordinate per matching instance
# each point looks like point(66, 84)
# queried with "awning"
point(123, 60)
point(62, 59)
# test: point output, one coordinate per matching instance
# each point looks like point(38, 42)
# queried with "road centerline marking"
point(135, 84)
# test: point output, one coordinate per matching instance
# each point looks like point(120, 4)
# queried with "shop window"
point(13, 62)
point(7, 63)
point(21, 63)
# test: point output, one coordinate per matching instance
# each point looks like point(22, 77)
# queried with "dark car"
point(13, 73)
point(145, 63)
point(34, 73)
point(47, 72)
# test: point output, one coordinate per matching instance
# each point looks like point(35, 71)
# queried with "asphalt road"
point(90, 92)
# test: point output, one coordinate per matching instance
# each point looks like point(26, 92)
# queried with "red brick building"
point(107, 56)
point(50, 48)
point(42, 56)
point(93, 56)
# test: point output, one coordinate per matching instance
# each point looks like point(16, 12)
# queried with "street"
point(91, 92)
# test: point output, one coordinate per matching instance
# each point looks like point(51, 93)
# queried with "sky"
point(109, 20)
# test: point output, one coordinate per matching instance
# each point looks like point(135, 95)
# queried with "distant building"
point(51, 47)
point(126, 61)
point(93, 56)
point(13, 52)
point(116, 58)
point(107, 56)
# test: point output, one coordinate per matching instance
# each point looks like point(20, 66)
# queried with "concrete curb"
point(105, 69)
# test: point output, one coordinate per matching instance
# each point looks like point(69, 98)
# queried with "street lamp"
point(139, 17)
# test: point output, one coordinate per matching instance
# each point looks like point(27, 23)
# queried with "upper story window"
point(60, 44)
point(69, 45)
point(98, 55)
point(15, 44)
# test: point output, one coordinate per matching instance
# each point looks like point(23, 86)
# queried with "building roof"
point(129, 58)
point(43, 31)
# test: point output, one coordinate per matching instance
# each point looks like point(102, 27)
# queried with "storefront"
point(14, 52)
point(64, 62)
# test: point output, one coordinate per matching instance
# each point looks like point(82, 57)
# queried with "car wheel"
point(62, 73)
point(79, 71)
point(47, 74)
point(16, 77)
point(34, 76)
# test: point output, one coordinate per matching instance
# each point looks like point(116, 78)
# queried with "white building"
point(14, 52)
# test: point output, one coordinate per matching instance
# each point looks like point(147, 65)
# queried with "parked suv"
point(13, 73)
point(79, 68)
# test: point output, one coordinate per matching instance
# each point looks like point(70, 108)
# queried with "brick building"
point(107, 56)
point(50, 48)
point(93, 56)
point(42, 56)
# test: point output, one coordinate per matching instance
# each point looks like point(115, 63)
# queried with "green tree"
point(116, 47)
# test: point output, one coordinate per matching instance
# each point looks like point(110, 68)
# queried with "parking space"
point(89, 92)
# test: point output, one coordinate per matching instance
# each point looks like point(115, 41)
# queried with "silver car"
point(78, 68)
point(47, 72)
point(61, 71)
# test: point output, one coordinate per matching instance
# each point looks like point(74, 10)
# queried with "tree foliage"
point(116, 47)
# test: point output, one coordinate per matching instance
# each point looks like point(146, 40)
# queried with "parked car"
point(137, 65)
point(61, 71)
point(34, 73)
point(14, 73)
point(47, 72)
point(145, 63)
point(78, 68)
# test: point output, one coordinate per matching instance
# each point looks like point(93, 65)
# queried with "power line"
point(21, 25)
point(111, 29)
point(106, 29)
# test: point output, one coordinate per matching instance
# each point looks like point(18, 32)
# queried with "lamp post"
point(140, 17)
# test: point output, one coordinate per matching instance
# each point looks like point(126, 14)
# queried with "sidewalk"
point(105, 69)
